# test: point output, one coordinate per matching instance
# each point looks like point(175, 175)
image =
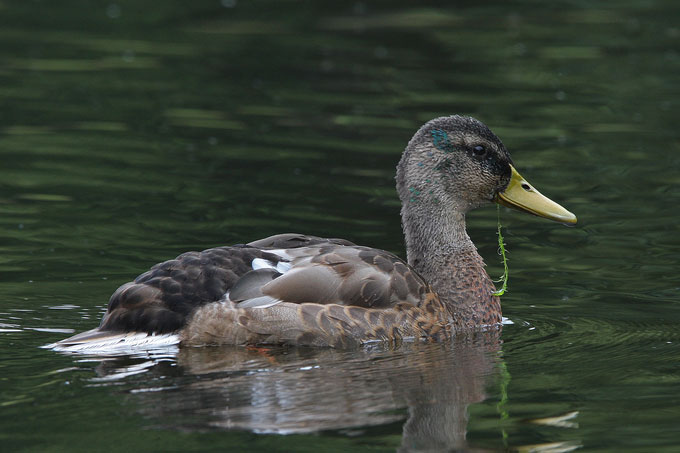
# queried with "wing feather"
point(286, 289)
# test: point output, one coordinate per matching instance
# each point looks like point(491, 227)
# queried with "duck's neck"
point(442, 252)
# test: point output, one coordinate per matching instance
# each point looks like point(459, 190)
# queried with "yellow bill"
point(522, 196)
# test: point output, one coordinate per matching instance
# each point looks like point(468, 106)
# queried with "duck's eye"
point(479, 150)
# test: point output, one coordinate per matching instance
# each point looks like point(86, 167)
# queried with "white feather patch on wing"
point(261, 263)
point(283, 266)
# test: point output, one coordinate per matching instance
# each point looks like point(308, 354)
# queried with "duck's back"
point(285, 289)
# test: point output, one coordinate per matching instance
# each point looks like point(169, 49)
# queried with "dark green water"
point(133, 131)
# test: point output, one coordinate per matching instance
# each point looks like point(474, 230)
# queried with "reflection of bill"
point(304, 390)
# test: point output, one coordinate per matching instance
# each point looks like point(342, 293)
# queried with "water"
point(132, 132)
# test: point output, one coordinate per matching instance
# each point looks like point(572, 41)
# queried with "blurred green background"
point(133, 131)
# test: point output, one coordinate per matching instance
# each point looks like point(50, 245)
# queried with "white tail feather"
point(118, 343)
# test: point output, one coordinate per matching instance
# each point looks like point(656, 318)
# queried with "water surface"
point(132, 132)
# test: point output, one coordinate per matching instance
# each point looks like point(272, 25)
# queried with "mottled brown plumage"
point(305, 290)
point(334, 295)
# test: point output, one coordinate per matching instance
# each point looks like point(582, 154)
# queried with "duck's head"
point(456, 163)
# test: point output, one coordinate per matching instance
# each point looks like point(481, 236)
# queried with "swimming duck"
point(306, 290)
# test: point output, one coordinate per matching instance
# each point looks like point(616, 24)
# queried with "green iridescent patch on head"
point(440, 139)
point(415, 194)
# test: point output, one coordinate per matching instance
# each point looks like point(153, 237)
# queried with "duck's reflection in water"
point(303, 390)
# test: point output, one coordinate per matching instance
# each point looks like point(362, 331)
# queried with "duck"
point(302, 290)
